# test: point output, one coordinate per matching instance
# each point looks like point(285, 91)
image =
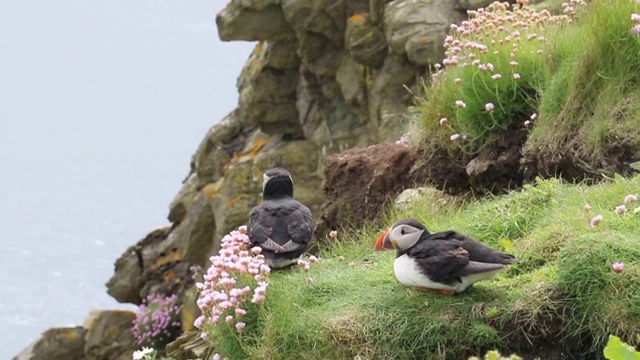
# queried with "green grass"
point(582, 82)
point(590, 104)
point(514, 100)
point(564, 292)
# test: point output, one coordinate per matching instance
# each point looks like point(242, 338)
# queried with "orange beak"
point(379, 243)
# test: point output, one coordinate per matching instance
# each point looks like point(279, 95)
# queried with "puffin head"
point(277, 182)
point(402, 235)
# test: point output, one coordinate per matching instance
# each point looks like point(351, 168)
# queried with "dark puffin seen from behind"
point(281, 225)
point(445, 262)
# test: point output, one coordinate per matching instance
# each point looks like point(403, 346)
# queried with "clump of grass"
point(603, 300)
point(565, 293)
point(492, 76)
point(590, 105)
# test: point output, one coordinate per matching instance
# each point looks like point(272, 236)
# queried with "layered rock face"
point(324, 77)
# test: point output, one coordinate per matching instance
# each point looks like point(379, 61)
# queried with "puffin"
point(280, 225)
point(444, 262)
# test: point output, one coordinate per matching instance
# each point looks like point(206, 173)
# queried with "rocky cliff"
point(324, 77)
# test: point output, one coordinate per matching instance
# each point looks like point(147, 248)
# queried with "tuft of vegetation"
point(492, 78)
point(590, 104)
point(565, 295)
point(569, 82)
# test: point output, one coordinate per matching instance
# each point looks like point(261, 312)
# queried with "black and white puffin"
point(445, 262)
point(281, 226)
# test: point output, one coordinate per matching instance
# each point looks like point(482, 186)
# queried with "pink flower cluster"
point(157, 321)
point(635, 30)
point(236, 276)
point(500, 28)
point(619, 209)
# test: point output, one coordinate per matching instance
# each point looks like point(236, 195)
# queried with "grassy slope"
point(355, 306)
point(582, 81)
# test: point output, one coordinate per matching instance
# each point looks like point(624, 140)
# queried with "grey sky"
point(102, 103)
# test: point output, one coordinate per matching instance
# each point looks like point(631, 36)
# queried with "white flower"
point(595, 221)
point(141, 354)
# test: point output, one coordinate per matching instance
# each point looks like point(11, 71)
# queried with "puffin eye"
point(402, 232)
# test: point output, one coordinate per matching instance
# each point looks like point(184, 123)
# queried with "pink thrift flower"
point(404, 140)
point(240, 326)
point(241, 312)
point(242, 229)
point(496, 76)
point(527, 123)
point(457, 81)
point(489, 106)
point(333, 234)
point(313, 259)
point(533, 116)
point(257, 298)
point(256, 250)
point(443, 121)
point(516, 76)
point(455, 137)
point(204, 336)
point(340, 258)
point(199, 322)
point(621, 209)
point(309, 280)
point(216, 357)
point(586, 207)
point(630, 198)
point(635, 31)
point(228, 319)
point(513, 63)
point(460, 104)
point(595, 221)
point(618, 267)
point(635, 17)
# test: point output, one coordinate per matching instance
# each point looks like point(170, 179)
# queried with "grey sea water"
point(102, 103)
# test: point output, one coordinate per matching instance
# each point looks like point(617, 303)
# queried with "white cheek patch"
point(406, 240)
point(265, 179)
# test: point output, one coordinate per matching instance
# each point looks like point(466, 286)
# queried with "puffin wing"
point(282, 226)
point(259, 225)
point(474, 267)
point(440, 260)
point(300, 225)
point(477, 251)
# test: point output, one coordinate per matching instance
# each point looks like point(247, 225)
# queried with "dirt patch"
point(493, 169)
point(359, 182)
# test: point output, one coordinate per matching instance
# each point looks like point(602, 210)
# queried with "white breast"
point(408, 273)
